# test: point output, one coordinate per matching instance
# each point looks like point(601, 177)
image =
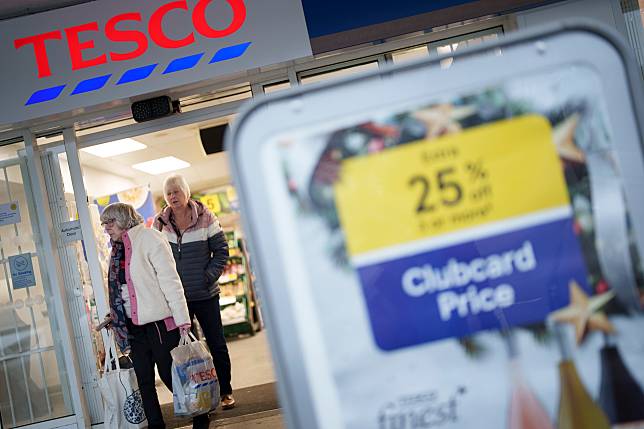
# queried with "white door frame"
point(45, 241)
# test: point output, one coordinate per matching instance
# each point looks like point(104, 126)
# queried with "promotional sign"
point(9, 213)
point(212, 202)
point(105, 50)
point(458, 255)
point(485, 240)
point(22, 271)
point(221, 202)
point(139, 197)
point(455, 247)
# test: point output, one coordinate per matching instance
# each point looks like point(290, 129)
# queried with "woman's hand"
point(184, 330)
point(105, 323)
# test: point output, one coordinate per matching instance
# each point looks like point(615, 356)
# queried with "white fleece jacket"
point(153, 284)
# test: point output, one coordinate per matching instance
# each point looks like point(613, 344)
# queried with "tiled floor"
point(251, 364)
point(269, 420)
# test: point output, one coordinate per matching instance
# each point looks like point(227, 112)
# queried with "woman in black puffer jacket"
point(200, 250)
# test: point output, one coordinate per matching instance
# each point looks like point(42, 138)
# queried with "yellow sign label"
point(212, 202)
point(418, 190)
point(103, 201)
point(231, 193)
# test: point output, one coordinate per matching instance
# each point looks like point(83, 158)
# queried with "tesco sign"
point(88, 32)
point(108, 50)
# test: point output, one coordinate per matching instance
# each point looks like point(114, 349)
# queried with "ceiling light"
point(118, 147)
point(161, 165)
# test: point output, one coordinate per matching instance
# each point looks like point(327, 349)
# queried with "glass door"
point(80, 298)
point(33, 380)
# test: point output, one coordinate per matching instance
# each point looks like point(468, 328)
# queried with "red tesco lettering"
point(155, 27)
point(201, 376)
point(39, 49)
point(79, 37)
point(76, 46)
point(116, 35)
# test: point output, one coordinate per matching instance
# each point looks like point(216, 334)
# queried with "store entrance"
point(34, 356)
point(132, 170)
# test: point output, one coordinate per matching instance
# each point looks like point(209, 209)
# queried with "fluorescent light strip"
point(161, 165)
point(118, 147)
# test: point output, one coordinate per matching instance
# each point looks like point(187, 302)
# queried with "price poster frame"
point(451, 249)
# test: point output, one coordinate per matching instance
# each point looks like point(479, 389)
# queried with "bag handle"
point(111, 353)
point(187, 339)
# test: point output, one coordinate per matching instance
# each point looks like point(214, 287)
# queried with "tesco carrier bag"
point(195, 385)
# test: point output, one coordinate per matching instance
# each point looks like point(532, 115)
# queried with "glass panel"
point(347, 71)
point(410, 54)
point(220, 96)
point(9, 151)
point(31, 371)
point(447, 46)
point(84, 280)
point(81, 302)
point(274, 87)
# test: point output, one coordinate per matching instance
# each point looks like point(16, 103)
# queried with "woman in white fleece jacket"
point(148, 310)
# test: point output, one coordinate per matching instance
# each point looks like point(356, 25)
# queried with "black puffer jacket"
point(200, 252)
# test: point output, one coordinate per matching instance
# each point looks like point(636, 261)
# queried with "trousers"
point(209, 317)
point(151, 345)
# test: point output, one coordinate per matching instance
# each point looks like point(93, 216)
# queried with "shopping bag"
point(195, 387)
point(121, 396)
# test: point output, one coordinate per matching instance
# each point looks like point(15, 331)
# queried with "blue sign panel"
point(22, 271)
point(515, 278)
point(334, 16)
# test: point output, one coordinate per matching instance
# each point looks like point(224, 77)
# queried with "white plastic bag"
point(121, 396)
point(195, 387)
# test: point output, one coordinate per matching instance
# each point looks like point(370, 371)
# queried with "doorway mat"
point(249, 400)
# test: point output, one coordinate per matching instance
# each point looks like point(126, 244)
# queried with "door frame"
point(44, 230)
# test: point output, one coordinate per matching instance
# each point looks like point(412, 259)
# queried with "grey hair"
point(123, 215)
point(177, 180)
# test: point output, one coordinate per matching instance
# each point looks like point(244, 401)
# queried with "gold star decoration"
point(443, 119)
point(564, 137)
point(582, 312)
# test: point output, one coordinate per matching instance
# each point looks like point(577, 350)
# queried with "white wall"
point(607, 12)
point(97, 182)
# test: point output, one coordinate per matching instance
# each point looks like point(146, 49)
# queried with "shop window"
point(447, 46)
point(411, 54)
point(277, 86)
point(96, 126)
point(215, 98)
point(342, 72)
point(9, 151)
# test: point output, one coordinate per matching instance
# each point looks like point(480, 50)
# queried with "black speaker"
point(154, 108)
point(212, 139)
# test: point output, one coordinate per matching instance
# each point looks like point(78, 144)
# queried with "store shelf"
point(230, 299)
point(238, 301)
point(227, 300)
point(230, 279)
point(235, 321)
